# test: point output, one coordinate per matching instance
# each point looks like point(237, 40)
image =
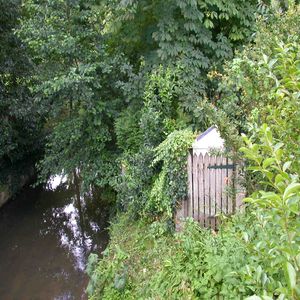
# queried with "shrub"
point(170, 186)
point(255, 254)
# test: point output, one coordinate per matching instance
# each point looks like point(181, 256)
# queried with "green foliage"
point(255, 254)
point(111, 74)
point(135, 181)
point(75, 87)
point(158, 117)
point(159, 105)
point(132, 257)
point(19, 127)
point(124, 79)
point(260, 84)
point(195, 35)
point(128, 132)
point(170, 187)
point(277, 209)
point(21, 138)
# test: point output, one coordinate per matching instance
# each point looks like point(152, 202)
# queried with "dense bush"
point(143, 175)
point(255, 254)
point(20, 123)
point(135, 181)
point(170, 187)
point(262, 81)
point(195, 35)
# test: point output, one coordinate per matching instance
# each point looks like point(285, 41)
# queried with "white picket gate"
point(212, 189)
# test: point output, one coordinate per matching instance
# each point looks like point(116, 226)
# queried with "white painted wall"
point(210, 139)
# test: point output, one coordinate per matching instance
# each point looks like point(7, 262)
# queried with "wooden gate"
point(212, 189)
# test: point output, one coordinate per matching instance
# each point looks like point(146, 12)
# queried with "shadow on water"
point(46, 235)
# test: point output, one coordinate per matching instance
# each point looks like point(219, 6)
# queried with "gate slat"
point(206, 190)
point(201, 190)
point(195, 187)
point(230, 185)
point(212, 184)
point(190, 184)
point(219, 183)
point(224, 173)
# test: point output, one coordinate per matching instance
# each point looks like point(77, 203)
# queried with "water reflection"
point(72, 223)
point(46, 236)
point(55, 181)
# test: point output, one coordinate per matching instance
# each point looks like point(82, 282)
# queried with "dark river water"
point(45, 239)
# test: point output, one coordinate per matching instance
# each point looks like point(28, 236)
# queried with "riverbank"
point(136, 252)
point(146, 260)
point(15, 177)
point(6, 191)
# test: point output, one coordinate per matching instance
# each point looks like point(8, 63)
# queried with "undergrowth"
point(146, 261)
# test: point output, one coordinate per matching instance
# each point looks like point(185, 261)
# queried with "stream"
point(45, 240)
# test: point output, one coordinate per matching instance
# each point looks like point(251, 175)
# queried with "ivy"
point(170, 187)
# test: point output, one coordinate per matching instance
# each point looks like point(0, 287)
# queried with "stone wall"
point(5, 190)
point(4, 195)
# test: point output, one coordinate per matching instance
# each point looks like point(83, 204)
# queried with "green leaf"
point(270, 196)
point(291, 189)
point(278, 146)
point(267, 298)
point(286, 165)
point(291, 275)
point(272, 62)
point(254, 297)
point(246, 237)
point(208, 24)
point(120, 281)
point(267, 162)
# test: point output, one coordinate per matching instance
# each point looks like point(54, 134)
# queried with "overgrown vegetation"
point(20, 125)
point(116, 90)
point(255, 254)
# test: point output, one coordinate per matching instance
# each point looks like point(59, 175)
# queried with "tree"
point(20, 134)
point(75, 86)
point(195, 35)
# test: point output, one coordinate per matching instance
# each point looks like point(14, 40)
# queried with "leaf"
point(278, 154)
point(290, 275)
point(286, 165)
point(281, 297)
point(258, 273)
point(267, 162)
point(267, 298)
point(255, 169)
point(120, 281)
point(270, 196)
point(246, 237)
point(254, 297)
point(92, 262)
point(249, 200)
point(278, 146)
point(208, 23)
point(292, 188)
point(269, 135)
point(272, 62)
